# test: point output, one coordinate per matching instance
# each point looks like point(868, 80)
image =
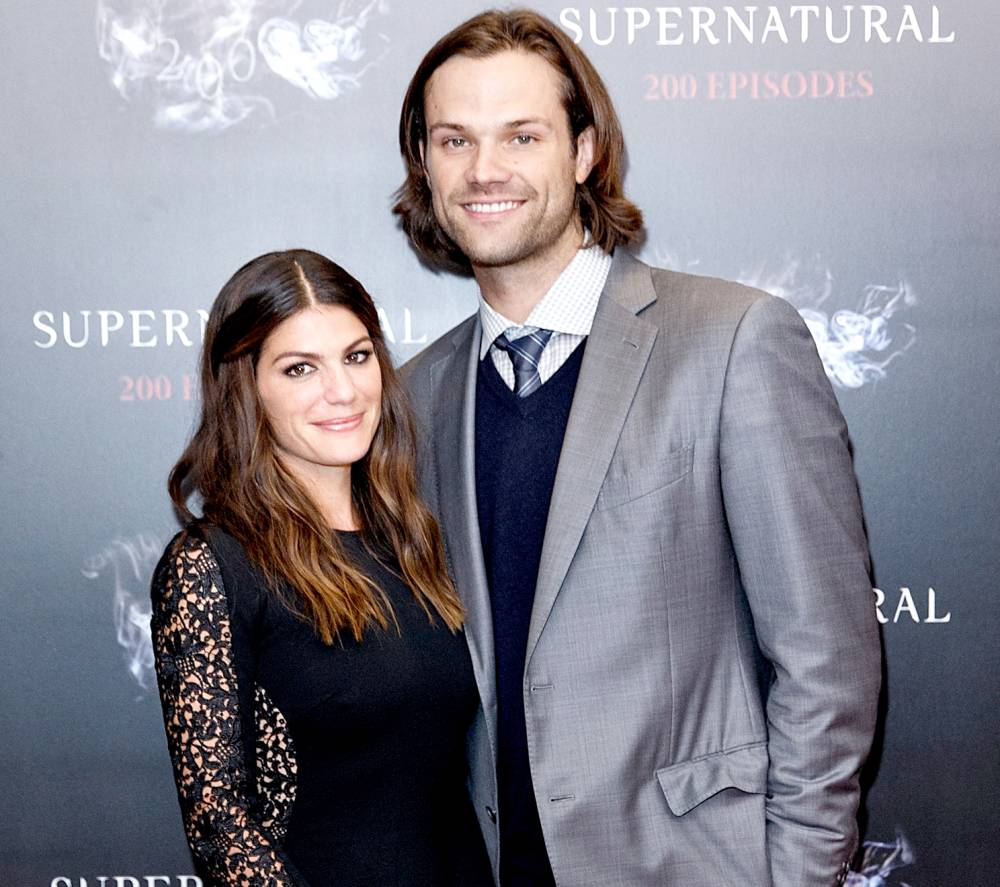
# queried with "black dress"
point(298, 763)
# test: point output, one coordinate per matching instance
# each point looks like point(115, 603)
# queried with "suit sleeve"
point(794, 513)
point(196, 673)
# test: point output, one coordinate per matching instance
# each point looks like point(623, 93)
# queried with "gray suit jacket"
point(703, 661)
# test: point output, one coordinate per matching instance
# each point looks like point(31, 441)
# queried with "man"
point(646, 491)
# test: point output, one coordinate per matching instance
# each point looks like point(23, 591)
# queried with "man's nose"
point(487, 166)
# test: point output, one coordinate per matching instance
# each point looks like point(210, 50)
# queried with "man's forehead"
point(513, 84)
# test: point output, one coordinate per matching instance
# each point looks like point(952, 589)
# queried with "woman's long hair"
point(232, 463)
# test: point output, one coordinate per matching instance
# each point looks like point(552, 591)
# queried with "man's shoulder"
point(699, 294)
point(706, 313)
point(415, 372)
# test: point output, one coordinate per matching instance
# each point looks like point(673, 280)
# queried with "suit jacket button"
point(492, 814)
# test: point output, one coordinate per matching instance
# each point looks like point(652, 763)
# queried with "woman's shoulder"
point(194, 543)
point(203, 554)
point(200, 552)
point(188, 559)
point(205, 544)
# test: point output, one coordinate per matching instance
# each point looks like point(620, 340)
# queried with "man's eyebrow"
point(529, 121)
point(513, 124)
point(455, 127)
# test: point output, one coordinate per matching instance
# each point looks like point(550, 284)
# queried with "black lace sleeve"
point(195, 669)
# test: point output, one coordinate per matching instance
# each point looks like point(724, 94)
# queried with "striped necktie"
point(525, 352)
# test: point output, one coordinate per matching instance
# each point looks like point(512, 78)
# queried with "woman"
point(316, 686)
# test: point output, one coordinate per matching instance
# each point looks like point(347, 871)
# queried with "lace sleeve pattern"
point(195, 668)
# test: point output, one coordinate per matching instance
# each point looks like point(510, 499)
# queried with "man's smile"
point(492, 208)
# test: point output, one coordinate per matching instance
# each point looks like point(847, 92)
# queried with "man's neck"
point(514, 290)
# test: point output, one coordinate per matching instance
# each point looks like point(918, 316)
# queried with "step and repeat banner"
point(843, 157)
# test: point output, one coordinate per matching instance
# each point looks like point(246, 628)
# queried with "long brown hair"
point(603, 208)
point(231, 461)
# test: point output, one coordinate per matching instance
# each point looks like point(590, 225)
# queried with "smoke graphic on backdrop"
point(204, 65)
point(856, 344)
point(128, 565)
point(879, 860)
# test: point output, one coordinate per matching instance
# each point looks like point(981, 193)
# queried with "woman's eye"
point(359, 356)
point(296, 370)
point(455, 142)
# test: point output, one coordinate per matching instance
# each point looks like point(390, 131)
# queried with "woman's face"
point(321, 388)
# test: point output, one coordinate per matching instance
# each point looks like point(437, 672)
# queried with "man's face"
point(500, 160)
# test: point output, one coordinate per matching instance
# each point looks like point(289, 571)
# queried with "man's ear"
point(584, 154)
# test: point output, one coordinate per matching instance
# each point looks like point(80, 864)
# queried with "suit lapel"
point(617, 349)
point(454, 383)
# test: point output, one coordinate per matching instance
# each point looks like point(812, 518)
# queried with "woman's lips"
point(346, 423)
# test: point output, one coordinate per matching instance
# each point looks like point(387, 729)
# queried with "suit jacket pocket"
point(687, 784)
point(639, 475)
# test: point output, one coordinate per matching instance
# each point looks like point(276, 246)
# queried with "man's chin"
point(492, 255)
point(494, 260)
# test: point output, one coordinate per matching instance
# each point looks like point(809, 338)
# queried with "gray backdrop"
point(152, 146)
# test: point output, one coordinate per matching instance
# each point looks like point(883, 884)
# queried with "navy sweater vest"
point(518, 441)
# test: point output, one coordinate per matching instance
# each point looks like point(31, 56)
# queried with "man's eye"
point(455, 142)
point(523, 139)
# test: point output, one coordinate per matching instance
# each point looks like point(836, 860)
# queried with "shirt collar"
point(568, 307)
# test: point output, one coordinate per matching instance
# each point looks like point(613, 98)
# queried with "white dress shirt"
point(568, 309)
